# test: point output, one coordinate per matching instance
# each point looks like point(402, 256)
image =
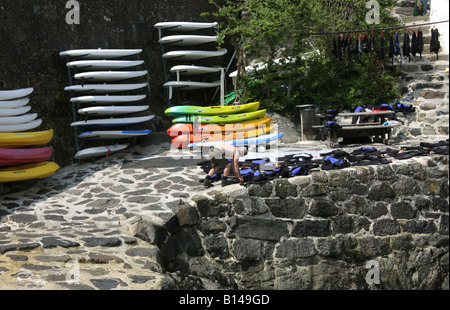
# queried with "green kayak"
point(212, 110)
point(219, 119)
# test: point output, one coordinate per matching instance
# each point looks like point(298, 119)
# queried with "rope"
point(377, 29)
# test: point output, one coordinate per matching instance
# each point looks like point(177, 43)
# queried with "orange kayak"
point(183, 140)
point(187, 128)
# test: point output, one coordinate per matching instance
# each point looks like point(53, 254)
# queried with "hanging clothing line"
point(378, 29)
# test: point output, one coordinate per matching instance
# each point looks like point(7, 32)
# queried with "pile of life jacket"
point(258, 171)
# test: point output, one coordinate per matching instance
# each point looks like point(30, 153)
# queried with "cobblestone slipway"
point(72, 230)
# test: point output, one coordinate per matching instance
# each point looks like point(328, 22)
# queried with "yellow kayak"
point(219, 119)
point(28, 172)
point(21, 139)
point(212, 110)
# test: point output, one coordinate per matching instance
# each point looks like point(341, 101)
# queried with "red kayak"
point(9, 157)
point(187, 128)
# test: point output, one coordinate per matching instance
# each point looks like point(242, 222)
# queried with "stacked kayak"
point(107, 92)
point(194, 125)
point(23, 154)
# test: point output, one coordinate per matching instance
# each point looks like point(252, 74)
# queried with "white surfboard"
point(194, 70)
point(193, 55)
point(107, 99)
point(10, 120)
point(99, 151)
point(187, 40)
point(21, 127)
point(112, 110)
point(188, 85)
point(11, 104)
point(15, 94)
point(15, 111)
point(191, 85)
point(185, 26)
point(100, 53)
point(105, 88)
point(113, 121)
point(104, 64)
point(113, 134)
point(109, 75)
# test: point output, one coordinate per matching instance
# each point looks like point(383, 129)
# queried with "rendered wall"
point(33, 32)
point(440, 12)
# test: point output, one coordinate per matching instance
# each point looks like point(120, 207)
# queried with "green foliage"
point(263, 28)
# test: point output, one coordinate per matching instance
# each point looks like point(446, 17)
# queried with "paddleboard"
point(100, 53)
point(104, 64)
point(10, 157)
point(109, 76)
point(22, 139)
point(190, 85)
point(28, 172)
point(12, 104)
point(214, 119)
point(113, 134)
point(99, 151)
point(252, 69)
point(10, 120)
point(194, 70)
point(21, 127)
point(107, 99)
point(240, 142)
point(105, 88)
point(193, 55)
point(187, 40)
point(212, 110)
point(185, 128)
point(185, 26)
point(113, 121)
point(185, 139)
point(15, 94)
point(112, 110)
point(15, 111)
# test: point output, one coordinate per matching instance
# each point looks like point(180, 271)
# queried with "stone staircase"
point(423, 83)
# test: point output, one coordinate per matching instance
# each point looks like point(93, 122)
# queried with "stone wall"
point(34, 32)
point(315, 232)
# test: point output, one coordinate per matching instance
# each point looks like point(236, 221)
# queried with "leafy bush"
point(274, 29)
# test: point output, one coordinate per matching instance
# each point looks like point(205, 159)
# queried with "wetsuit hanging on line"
point(435, 44)
point(420, 42)
point(414, 44)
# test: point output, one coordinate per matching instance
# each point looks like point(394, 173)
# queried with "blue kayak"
point(240, 142)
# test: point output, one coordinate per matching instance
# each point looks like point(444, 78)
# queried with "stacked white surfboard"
point(107, 94)
point(14, 111)
point(179, 76)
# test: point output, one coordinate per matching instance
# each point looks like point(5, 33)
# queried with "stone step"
point(434, 57)
point(433, 94)
point(426, 85)
point(414, 19)
point(404, 10)
point(411, 68)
